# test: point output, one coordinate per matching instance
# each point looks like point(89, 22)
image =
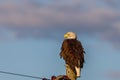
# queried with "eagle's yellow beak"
point(65, 36)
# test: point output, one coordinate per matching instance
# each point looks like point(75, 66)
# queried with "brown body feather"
point(73, 53)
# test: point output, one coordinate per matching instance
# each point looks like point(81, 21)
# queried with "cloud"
point(113, 3)
point(51, 15)
point(31, 18)
point(113, 74)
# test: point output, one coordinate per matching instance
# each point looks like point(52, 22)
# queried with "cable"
point(23, 75)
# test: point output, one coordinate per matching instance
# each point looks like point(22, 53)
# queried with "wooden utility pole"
point(71, 75)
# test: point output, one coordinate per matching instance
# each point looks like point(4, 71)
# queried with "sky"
point(31, 34)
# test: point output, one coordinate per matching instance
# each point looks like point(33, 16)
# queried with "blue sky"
point(31, 34)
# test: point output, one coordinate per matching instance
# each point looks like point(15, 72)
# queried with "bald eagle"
point(72, 52)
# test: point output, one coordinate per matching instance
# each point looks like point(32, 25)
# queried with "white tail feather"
point(77, 71)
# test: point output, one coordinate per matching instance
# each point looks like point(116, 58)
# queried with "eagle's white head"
point(70, 35)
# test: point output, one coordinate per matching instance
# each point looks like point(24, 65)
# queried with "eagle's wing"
point(80, 51)
point(72, 52)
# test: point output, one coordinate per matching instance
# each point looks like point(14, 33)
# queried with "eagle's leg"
point(69, 72)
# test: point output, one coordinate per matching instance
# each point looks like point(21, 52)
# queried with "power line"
point(23, 75)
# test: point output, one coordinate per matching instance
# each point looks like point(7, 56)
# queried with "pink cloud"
point(30, 15)
point(113, 74)
point(82, 16)
point(116, 26)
